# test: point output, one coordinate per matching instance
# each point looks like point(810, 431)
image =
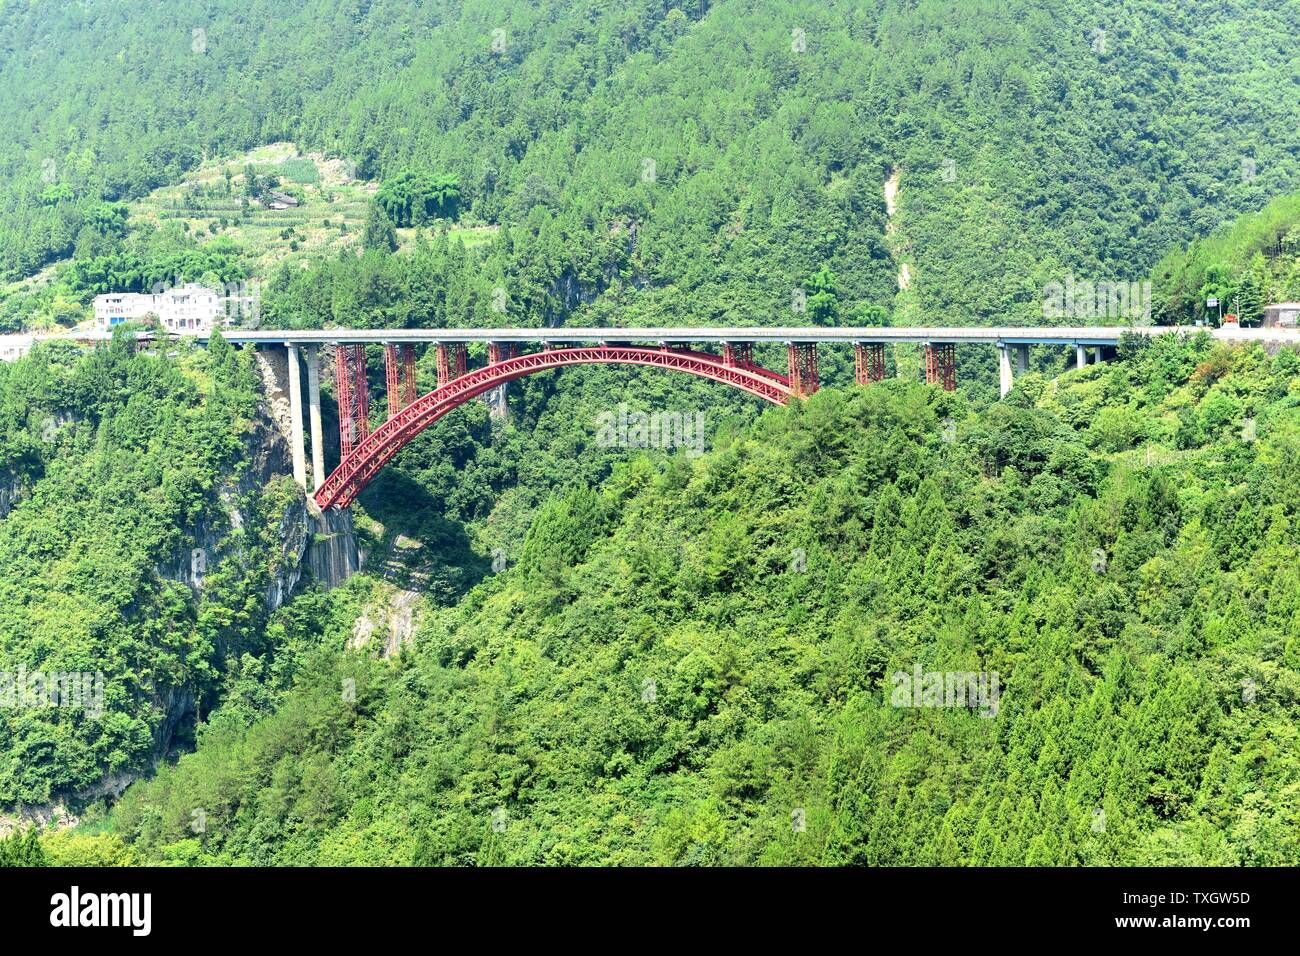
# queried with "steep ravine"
point(305, 546)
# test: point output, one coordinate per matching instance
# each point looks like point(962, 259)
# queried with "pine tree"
point(379, 234)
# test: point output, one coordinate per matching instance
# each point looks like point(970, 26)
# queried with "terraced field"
point(213, 201)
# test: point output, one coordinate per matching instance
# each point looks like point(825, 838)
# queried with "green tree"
point(22, 847)
point(379, 234)
point(823, 297)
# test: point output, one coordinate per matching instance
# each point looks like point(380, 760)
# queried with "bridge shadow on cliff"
point(420, 549)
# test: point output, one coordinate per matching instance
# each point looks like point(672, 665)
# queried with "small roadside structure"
point(1283, 315)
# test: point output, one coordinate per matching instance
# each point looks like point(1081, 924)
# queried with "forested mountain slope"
point(697, 162)
point(1254, 263)
point(143, 514)
point(696, 653)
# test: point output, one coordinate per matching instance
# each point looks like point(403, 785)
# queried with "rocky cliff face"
point(323, 544)
point(265, 461)
point(391, 620)
point(257, 496)
point(329, 544)
point(333, 556)
point(11, 489)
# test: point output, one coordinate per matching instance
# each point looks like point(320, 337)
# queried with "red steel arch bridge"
point(717, 354)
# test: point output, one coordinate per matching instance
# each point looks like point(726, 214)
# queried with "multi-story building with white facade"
point(14, 347)
point(187, 308)
point(118, 307)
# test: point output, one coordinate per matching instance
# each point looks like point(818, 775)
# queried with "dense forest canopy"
point(680, 660)
point(701, 160)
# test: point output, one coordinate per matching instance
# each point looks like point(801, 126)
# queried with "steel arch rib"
point(380, 446)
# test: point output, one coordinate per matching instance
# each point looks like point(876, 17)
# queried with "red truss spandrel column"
point(502, 351)
point(410, 391)
point(869, 361)
point(392, 369)
point(353, 395)
point(941, 365)
point(343, 386)
point(738, 354)
point(453, 362)
point(802, 360)
point(444, 368)
point(360, 392)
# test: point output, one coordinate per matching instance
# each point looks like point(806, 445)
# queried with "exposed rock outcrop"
point(392, 620)
point(334, 555)
point(12, 488)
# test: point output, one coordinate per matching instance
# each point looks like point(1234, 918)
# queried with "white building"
point(14, 347)
point(187, 308)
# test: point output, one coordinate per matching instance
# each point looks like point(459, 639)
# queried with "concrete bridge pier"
point(1013, 359)
point(313, 406)
point(297, 440)
point(1022, 358)
point(295, 417)
point(1081, 356)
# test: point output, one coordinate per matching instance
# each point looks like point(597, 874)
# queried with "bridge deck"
point(1012, 335)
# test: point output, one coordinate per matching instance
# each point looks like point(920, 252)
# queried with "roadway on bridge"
point(1011, 335)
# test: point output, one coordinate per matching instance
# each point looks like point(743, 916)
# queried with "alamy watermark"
point(629, 428)
point(1085, 299)
point(74, 690)
point(975, 690)
point(243, 301)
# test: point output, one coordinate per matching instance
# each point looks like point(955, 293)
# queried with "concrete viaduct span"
point(515, 353)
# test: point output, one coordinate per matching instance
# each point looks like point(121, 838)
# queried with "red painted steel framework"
point(941, 365)
point(363, 459)
point(738, 354)
point(453, 361)
point(399, 365)
point(802, 360)
point(869, 362)
point(354, 396)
